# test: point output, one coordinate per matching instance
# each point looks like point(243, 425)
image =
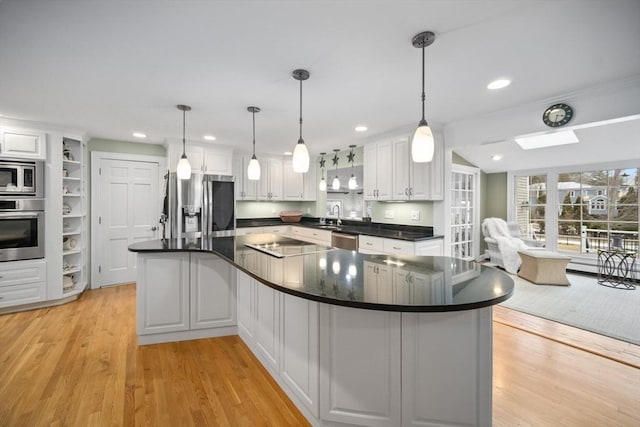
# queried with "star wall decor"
point(350, 157)
point(322, 162)
point(335, 159)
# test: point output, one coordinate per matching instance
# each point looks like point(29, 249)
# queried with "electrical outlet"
point(273, 210)
point(415, 215)
point(388, 214)
point(308, 210)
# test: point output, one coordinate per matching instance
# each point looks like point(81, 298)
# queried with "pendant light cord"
point(423, 95)
point(183, 131)
point(301, 109)
point(254, 133)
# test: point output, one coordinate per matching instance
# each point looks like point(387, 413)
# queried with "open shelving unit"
point(74, 216)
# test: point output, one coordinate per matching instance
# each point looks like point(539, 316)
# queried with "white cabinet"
point(390, 174)
point(360, 359)
point(23, 143)
point(298, 186)
point(246, 288)
point(378, 279)
point(22, 282)
point(313, 235)
point(267, 327)
point(213, 301)
point(184, 296)
point(212, 160)
point(448, 383)
point(379, 245)
point(245, 188)
point(377, 171)
point(411, 181)
point(277, 229)
point(300, 350)
point(162, 293)
point(270, 184)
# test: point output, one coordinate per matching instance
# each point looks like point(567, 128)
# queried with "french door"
point(465, 212)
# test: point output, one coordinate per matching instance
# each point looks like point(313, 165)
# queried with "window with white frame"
point(531, 205)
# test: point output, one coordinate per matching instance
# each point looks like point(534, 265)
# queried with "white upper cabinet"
point(298, 186)
point(245, 188)
point(23, 143)
point(390, 174)
point(270, 184)
point(377, 171)
point(212, 160)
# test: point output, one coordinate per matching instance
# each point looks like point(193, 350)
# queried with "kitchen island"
point(353, 339)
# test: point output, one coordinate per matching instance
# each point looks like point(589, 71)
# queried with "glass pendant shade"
point(184, 168)
point(323, 185)
point(353, 184)
point(336, 183)
point(300, 157)
point(422, 145)
point(253, 170)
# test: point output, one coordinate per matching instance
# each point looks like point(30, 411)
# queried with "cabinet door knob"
point(154, 228)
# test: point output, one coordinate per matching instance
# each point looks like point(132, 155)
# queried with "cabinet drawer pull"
point(397, 248)
point(369, 244)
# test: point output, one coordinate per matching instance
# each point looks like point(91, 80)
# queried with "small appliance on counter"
point(202, 206)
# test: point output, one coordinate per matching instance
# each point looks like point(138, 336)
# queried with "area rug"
point(585, 305)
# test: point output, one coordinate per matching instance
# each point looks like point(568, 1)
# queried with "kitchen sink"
point(330, 227)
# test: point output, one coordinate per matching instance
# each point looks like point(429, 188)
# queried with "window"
point(606, 210)
point(531, 204)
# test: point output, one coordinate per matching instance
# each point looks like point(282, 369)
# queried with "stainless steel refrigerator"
point(202, 206)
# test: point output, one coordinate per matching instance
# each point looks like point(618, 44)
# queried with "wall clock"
point(557, 115)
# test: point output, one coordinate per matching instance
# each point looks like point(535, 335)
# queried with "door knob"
point(154, 228)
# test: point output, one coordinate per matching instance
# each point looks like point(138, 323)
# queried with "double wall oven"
point(21, 210)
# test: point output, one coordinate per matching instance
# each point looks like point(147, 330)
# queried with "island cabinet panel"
point(299, 350)
point(267, 327)
point(246, 288)
point(213, 300)
point(456, 393)
point(360, 360)
point(163, 293)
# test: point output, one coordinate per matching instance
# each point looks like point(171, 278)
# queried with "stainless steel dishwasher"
point(344, 241)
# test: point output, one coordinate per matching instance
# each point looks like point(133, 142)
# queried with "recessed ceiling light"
point(288, 153)
point(496, 157)
point(498, 84)
point(139, 135)
point(547, 140)
point(210, 137)
point(361, 128)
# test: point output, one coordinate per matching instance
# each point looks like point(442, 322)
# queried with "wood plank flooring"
point(79, 364)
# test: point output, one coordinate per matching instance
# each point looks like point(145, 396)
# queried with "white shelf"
point(71, 233)
point(71, 178)
point(71, 162)
point(71, 271)
point(72, 195)
point(75, 251)
point(73, 216)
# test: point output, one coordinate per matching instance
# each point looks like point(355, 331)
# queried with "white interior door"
point(128, 212)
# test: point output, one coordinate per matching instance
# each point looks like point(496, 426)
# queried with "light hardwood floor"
point(79, 364)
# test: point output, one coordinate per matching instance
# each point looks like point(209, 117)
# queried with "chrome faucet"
point(339, 221)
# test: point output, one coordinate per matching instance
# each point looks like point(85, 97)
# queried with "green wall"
point(271, 209)
point(496, 195)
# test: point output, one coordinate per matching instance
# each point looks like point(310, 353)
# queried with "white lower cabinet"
point(184, 296)
point(266, 332)
point(213, 301)
point(299, 350)
point(245, 288)
point(447, 368)
point(380, 245)
point(22, 282)
point(360, 360)
point(162, 293)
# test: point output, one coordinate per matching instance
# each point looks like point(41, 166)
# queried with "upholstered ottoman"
point(544, 267)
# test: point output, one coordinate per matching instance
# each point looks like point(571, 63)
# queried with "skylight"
point(547, 140)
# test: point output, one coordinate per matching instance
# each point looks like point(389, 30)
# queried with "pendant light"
point(422, 145)
point(253, 170)
point(184, 168)
point(353, 184)
point(323, 183)
point(300, 153)
point(336, 181)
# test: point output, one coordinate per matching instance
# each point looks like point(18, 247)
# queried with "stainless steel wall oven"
point(21, 229)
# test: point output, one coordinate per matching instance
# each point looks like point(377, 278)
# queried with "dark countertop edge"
point(388, 231)
point(344, 303)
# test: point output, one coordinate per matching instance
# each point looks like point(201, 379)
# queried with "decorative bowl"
point(291, 216)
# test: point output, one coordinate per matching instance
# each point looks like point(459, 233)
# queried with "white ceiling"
point(114, 67)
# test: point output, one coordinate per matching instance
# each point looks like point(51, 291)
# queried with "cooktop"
point(281, 247)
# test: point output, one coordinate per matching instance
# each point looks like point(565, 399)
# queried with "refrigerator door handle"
point(205, 211)
point(209, 191)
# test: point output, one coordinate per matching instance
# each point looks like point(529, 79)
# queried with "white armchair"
point(504, 242)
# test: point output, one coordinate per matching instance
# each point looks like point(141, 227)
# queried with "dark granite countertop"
point(348, 278)
point(375, 229)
